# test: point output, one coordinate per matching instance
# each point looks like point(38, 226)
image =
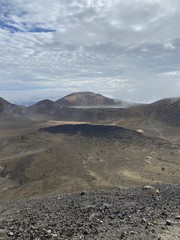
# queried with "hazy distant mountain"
point(60, 108)
point(25, 103)
point(87, 99)
point(44, 106)
point(165, 110)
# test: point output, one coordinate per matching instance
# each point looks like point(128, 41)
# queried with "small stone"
point(123, 235)
point(3, 235)
point(10, 234)
point(106, 205)
point(110, 223)
point(122, 222)
point(177, 217)
point(100, 221)
point(156, 191)
point(82, 193)
point(169, 222)
point(54, 235)
point(85, 231)
point(147, 187)
point(154, 222)
point(32, 228)
point(47, 231)
point(150, 223)
point(143, 221)
point(164, 213)
point(151, 190)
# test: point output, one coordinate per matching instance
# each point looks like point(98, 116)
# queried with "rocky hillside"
point(134, 214)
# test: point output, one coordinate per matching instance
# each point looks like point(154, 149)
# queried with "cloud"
point(174, 73)
point(128, 49)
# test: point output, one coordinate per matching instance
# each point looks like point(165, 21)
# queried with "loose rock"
point(127, 214)
point(169, 222)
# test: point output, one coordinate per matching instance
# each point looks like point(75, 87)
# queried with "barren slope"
point(68, 158)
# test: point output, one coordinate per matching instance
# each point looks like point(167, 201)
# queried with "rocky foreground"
point(142, 213)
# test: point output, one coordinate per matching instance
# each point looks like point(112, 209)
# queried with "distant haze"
point(100, 106)
point(128, 50)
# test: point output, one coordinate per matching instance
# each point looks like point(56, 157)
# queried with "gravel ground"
point(104, 214)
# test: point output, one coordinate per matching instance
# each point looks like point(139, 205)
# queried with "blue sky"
point(128, 50)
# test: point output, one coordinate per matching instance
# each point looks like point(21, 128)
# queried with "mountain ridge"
point(164, 110)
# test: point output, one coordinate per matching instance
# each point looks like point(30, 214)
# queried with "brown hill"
point(45, 107)
point(167, 110)
point(5, 105)
point(86, 99)
point(10, 110)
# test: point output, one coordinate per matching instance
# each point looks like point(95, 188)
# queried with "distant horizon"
point(34, 101)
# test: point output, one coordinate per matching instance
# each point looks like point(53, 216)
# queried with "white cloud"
point(95, 45)
point(169, 46)
point(174, 73)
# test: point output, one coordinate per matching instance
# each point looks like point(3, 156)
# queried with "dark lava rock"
point(82, 193)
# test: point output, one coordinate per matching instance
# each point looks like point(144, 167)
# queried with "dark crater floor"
point(108, 132)
point(115, 214)
point(89, 130)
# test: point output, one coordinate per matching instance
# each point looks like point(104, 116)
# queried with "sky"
point(124, 49)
